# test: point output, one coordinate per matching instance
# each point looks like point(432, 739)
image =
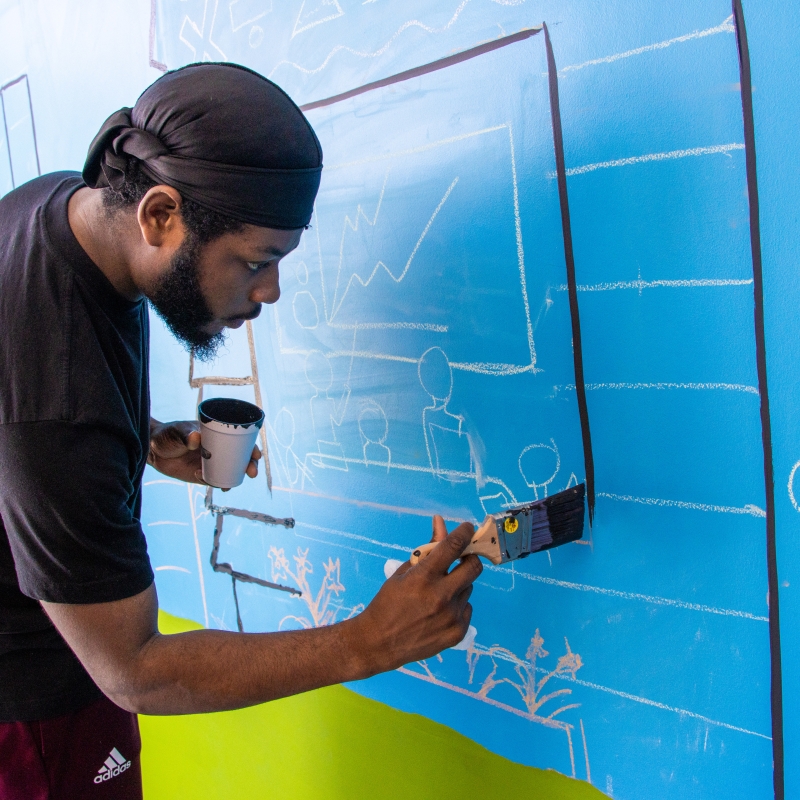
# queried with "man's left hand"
point(175, 451)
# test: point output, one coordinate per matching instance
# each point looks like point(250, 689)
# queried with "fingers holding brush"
point(439, 529)
point(445, 551)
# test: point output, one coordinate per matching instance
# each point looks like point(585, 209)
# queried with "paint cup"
point(228, 432)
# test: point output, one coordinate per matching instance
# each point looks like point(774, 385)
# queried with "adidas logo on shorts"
point(112, 766)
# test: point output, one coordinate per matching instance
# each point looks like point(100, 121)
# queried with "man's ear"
point(159, 217)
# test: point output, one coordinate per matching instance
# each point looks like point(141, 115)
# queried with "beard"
point(179, 301)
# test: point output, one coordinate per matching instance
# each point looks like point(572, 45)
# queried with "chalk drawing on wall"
point(526, 677)
point(318, 13)
point(350, 332)
point(19, 154)
point(354, 298)
point(321, 65)
point(327, 413)
point(323, 607)
point(197, 35)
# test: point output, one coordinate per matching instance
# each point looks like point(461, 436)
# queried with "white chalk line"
point(482, 368)
point(644, 598)
point(412, 23)
point(199, 557)
point(520, 251)
point(724, 149)
point(410, 326)
point(416, 512)
point(414, 150)
point(627, 695)
point(489, 368)
point(725, 27)
point(395, 465)
point(397, 279)
point(750, 509)
point(353, 536)
point(728, 387)
point(650, 599)
point(790, 487)
point(342, 546)
point(686, 283)
point(663, 706)
point(682, 712)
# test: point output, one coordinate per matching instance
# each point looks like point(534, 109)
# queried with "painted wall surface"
point(420, 359)
point(327, 745)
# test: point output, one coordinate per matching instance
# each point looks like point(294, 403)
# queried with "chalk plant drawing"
point(529, 687)
point(540, 703)
point(322, 606)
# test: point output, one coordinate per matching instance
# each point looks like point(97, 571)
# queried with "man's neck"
point(107, 240)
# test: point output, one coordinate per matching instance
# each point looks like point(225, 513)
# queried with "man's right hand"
point(420, 610)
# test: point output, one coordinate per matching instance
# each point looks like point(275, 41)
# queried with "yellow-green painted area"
point(331, 744)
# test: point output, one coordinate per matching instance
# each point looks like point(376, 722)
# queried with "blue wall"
point(420, 359)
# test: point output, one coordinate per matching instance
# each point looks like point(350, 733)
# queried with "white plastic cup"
point(228, 432)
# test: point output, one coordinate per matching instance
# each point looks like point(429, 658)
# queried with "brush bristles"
point(557, 519)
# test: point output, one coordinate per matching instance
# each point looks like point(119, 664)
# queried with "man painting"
point(189, 201)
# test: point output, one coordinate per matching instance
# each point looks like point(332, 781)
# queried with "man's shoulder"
point(20, 203)
point(34, 298)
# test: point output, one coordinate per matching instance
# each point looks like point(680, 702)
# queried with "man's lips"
point(239, 320)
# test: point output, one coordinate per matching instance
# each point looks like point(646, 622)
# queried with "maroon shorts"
point(91, 754)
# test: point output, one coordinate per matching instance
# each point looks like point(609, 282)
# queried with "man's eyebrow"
point(270, 252)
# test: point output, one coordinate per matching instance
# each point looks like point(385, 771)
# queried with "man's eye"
point(257, 266)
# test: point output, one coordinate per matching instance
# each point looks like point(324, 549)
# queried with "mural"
point(422, 360)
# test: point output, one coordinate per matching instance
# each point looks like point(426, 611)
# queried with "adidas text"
point(114, 765)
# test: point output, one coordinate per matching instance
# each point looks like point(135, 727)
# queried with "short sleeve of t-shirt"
point(74, 410)
point(65, 501)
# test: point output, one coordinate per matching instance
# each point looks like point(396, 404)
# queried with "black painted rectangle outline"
point(776, 685)
point(558, 144)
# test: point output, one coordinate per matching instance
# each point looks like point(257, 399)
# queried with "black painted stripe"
point(572, 287)
point(433, 66)
point(776, 685)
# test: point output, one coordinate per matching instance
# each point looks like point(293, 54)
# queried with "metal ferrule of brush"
point(541, 525)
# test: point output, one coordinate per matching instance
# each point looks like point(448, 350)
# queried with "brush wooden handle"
point(484, 543)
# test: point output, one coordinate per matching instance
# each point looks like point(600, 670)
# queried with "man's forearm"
point(200, 671)
point(418, 612)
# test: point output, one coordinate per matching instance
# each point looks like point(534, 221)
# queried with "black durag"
point(223, 136)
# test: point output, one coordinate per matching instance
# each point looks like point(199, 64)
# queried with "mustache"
point(250, 315)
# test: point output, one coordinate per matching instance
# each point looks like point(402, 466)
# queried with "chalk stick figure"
point(327, 414)
point(373, 428)
point(448, 446)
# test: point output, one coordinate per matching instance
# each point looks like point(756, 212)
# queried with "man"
point(189, 200)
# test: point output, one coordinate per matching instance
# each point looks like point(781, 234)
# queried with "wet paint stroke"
point(776, 684)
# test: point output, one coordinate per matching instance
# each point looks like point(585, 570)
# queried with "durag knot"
point(117, 142)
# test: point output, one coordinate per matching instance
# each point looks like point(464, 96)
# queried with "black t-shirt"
point(74, 437)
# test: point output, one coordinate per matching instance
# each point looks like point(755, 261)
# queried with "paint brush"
point(525, 529)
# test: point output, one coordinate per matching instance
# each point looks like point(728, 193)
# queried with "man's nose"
point(267, 288)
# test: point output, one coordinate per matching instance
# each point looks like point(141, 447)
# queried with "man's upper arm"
point(109, 639)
